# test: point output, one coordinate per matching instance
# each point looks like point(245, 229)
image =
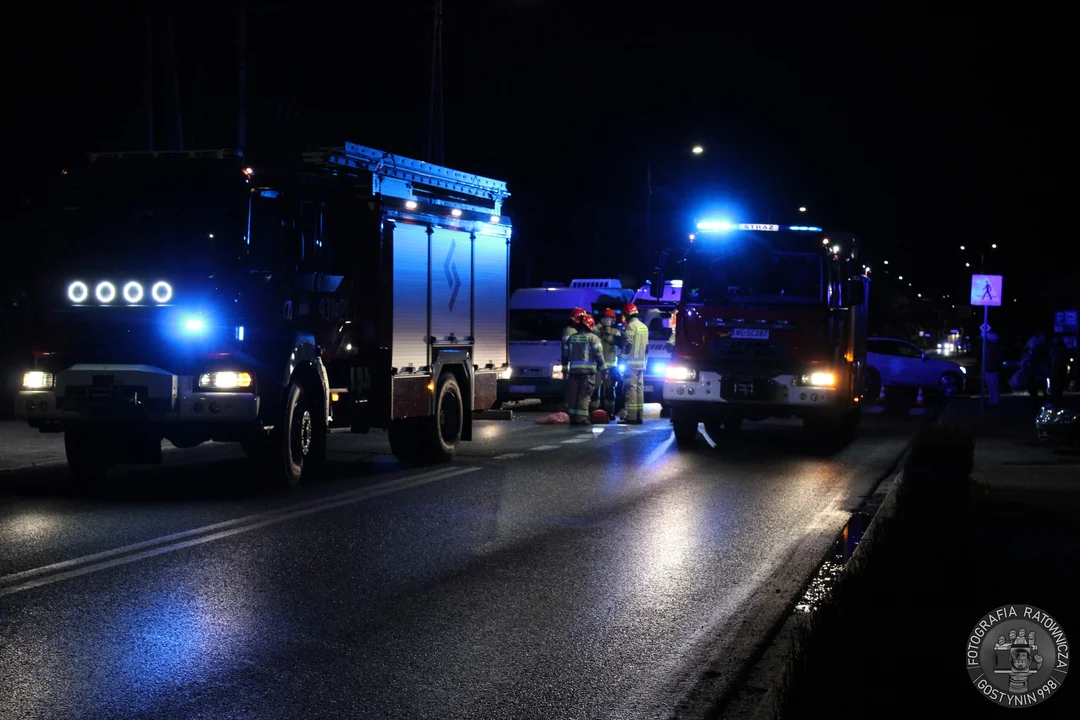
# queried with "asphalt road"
point(550, 572)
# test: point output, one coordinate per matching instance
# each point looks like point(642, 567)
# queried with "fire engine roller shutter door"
point(410, 296)
point(491, 300)
point(451, 285)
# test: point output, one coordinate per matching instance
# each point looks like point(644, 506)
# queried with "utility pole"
point(241, 80)
point(434, 150)
point(148, 77)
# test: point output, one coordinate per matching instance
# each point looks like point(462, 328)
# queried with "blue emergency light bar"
point(727, 226)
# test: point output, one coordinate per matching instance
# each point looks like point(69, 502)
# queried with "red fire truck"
point(772, 323)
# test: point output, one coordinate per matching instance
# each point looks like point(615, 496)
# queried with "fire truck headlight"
point(506, 373)
point(818, 379)
point(681, 374)
point(78, 292)
point(226, 380)
point(556, 372)
point(161, 292)
point(105, 292)
point(133, 292)
point(38, 380)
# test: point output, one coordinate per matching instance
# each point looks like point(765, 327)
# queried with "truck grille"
point(750, 357)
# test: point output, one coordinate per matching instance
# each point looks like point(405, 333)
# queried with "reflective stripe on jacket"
point(637, 344)
point(586, 351)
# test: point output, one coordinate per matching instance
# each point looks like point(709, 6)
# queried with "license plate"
point(522, 388)
point(648, 388)
point(750, 334)
point(742, 388)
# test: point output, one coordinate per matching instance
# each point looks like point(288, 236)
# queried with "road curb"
point(783, 656)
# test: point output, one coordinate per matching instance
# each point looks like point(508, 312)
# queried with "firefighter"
point(576, 317)
point(611, 338)
point(635, 348)
point(586, 356)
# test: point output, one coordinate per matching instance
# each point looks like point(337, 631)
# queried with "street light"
point(961, 247)
point(967, 264)
point(802, 209)
point(994, 246)
point(901, 277)
point(886, 262)
point(696, 150)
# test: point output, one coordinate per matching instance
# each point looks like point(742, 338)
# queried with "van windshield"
point(538, 324)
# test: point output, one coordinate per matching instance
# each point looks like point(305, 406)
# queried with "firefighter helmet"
point(629, 309)
point(589, 322)
point(610, 312)
point(577, 315)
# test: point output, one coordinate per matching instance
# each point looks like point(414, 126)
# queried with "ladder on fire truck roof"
point(402, 177)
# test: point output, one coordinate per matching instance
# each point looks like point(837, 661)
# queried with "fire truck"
point(772, 323)
point(657, 313)
point(197, 296)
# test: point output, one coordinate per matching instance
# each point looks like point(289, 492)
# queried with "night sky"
point(907, 129)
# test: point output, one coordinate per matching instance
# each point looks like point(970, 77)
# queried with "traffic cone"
point(881, 395)
point(919, 402)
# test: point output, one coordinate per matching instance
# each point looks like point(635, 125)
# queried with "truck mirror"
point(656, 287)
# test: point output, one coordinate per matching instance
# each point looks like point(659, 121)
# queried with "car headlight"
point(557, 372)
point(226, 380)
point(683, 374)
point(38, 380)
point(818, 379)
point(963, 370)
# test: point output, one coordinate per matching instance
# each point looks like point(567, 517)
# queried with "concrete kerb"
point(782, 656)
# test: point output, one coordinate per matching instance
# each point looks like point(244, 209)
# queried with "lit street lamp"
point(802, 209)
point(696, 150)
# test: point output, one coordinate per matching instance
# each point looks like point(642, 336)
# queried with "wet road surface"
point(550, 572)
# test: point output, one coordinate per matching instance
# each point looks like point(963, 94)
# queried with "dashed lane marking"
point(543, 447)
point(575, 440)
point(508, 456)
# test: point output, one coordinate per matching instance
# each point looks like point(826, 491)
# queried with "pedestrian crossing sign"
point(986, 290)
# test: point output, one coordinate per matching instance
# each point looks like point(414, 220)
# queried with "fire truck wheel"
point(686, 431)
point(297, 445)
point(443, 432)
point(89, 456)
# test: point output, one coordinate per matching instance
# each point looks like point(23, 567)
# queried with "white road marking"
point(508, 456)
point(543, 447)
point(20, 581)
point(575, 440)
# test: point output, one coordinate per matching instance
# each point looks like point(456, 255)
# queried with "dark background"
point(921, 132)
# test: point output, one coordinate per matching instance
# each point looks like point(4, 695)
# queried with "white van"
point(537, 319)
point(656, 314)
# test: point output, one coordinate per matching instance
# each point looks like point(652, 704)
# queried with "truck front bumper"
point(711, 393)
point(132, 393)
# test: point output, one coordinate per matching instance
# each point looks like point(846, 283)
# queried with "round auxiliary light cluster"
point(132, 293)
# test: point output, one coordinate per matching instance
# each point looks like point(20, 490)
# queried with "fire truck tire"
point(296, 448)
point(686, 431)
point(432, 440)
point(442, 432)
point(89, 455)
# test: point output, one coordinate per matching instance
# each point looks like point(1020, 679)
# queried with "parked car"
point(1058, 423)
point(900, 363)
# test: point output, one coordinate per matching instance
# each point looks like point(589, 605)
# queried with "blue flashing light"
point(622, 367)
point(715, 226)
point(805, 228)
point(658, 368)
point(193, 325)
